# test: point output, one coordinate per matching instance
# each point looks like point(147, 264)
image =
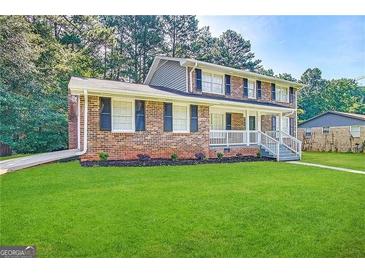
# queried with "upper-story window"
point(251, 89)
point(282, 94)
point(212, 83)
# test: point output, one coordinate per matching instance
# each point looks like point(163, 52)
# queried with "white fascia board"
point(178, 98)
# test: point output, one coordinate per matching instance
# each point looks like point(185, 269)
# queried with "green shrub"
point(103, 156)
point(220, 155)
point(174, 157)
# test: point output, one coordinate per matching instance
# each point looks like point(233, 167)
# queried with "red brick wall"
point(238, 121)
point(154, 141)
point(246, 151)
point(72, 121)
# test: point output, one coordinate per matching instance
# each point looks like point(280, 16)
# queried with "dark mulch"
point(166, 162)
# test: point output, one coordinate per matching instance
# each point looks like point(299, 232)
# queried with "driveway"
point(28, 161)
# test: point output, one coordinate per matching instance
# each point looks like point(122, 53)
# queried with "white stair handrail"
point(291, 143)
point(269, 143)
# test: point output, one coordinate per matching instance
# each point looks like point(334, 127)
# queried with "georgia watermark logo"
point(17, 251)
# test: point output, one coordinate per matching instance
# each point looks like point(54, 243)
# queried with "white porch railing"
point(227, 137)
point(270, 140)
point(288, 141)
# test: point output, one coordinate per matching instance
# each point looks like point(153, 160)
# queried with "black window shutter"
point(105, 114)
point(258, 89)
point(291, 95)
point(228, 121)
point(140, 115)
point(227, 80)
point(291, 126)
point(167, 121)
point(273, 92)
point(198, 79)
point(245, 87)
point(193, 118)
point(273, 123)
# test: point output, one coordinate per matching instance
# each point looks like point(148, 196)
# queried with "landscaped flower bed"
point(168, 162)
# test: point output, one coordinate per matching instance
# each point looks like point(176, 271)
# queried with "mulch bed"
point(166, 162)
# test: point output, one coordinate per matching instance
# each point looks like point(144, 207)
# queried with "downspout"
point(85, 124)
point(191, 76)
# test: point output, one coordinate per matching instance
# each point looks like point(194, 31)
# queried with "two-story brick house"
point(185, 106)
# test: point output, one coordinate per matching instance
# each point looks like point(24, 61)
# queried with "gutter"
point(191, 76)
point(85, 125)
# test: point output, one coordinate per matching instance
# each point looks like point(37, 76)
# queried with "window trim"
point(279, 98)
point(253, 90)
point(132, 101)
point(223, 113)
point(359, 131)
point(308, 132)
point(187, 106)
point(217, 74)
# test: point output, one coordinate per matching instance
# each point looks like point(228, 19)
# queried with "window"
point(217, 121)
point(355, 131)
point(291, 95)
point(285, 126)
point(140, 115)
point(198, 77)
point(308, 132)
point(180, 118)
point(122, 115)
point(325, 130)
point(251, 89)
point(212, 83)
point(282, 94)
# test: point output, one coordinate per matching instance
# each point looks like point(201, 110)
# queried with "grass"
point(262, 209)
point(338, 159)
point(13, 156)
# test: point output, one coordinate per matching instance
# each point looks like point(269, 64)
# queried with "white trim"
point(132, 101)
point(180, 98)
point(254, 88)
point(213, 73)
point(187, 117)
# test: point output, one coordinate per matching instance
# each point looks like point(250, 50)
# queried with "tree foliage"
point(39, 54)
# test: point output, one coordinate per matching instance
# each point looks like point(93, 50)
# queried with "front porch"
point(272, 132)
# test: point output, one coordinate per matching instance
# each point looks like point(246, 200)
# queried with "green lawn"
point(262, 209)
point(337, 159)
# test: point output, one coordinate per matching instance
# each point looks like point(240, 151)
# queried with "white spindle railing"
point(292, 143)
point(270, 140)
point(270, 144)
point(227, 137)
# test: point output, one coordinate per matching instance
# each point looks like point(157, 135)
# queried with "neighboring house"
point(333, 131)
point(185, 107)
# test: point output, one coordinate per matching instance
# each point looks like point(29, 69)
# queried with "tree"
point(234, 51)
point(267, 72)
point(180, 32)
point(204, 47)
point(287, 76)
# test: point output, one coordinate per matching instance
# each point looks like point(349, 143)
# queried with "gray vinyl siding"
point(170, 75)
point(332, 120)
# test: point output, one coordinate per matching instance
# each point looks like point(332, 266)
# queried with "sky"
point(334, 44)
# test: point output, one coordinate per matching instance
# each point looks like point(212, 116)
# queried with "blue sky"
point(335, 44)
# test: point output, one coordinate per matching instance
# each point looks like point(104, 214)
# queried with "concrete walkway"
point(328, 167)
point(28, 161)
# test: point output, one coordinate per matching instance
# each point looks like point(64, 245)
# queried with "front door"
point(252, 121)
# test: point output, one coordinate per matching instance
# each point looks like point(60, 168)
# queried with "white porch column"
point(280, 127)
point(247, 128)
point(259, 126)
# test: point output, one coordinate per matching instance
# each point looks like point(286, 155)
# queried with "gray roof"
point(229, 70)
point(334, 118)
point(80, 84)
